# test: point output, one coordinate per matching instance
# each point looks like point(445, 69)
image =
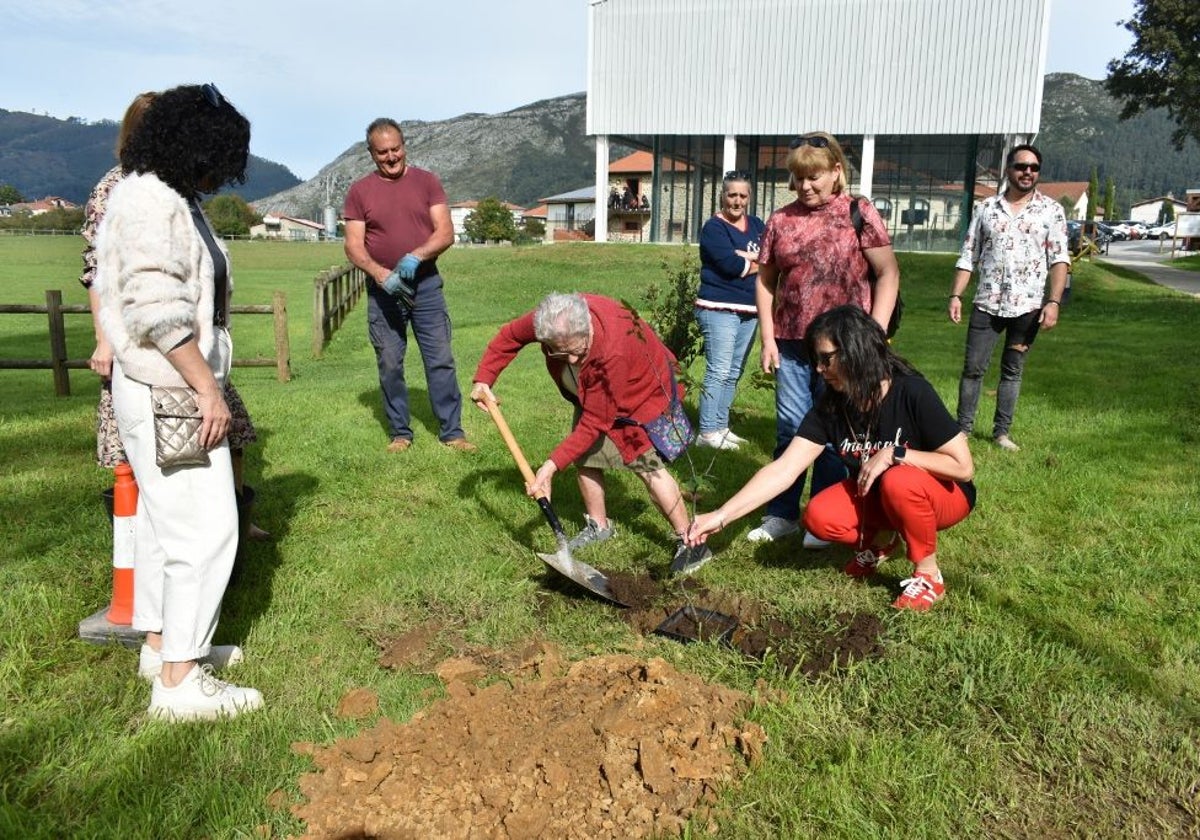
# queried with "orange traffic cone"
point(125, 497)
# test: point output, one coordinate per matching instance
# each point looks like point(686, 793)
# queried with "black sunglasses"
point(824, 360)
point(816, 141)
point(1027, 167)
point(213, 95)
point(737, 175)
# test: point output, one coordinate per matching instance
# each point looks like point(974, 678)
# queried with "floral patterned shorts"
point(110, 452)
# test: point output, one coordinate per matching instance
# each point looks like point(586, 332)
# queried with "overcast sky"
point(303, 74)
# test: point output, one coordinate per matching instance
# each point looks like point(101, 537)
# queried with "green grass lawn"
point(1052, 694)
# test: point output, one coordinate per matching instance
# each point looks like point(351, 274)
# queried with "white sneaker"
point(1006, 443)
point(738, 439)
point(813, 542)
point(201, 696)
point(219, 656)
point(772, 528)
point(716, 440)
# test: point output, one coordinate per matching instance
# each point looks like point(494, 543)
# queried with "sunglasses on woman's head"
point(815, 140)
point(737, 175)
point(212, 95)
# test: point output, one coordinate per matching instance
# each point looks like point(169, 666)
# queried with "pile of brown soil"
point(611, 746)
point(615, 746)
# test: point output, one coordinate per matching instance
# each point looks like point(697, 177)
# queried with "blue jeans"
point(727, 339)
point(797, 388)
point(387, 325)
point(983, 331)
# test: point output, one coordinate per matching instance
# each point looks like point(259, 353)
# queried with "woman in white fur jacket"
point(164, 285)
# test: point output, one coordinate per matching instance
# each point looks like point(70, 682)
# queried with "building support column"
point(601, 216)
point(866, 172)
point(729, 154)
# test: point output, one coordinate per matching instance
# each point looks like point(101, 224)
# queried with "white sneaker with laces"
point(201, 696)
point(219, 656)
point(716, 440)
point(738, 439)
point(813, 542)
point(772, 528)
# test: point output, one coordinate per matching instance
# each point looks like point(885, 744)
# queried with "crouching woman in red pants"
point(910, 466)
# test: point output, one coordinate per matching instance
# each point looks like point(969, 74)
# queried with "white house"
point(925, 95)
point(1076, 195)
point(286, 227)
point(569, 215)
point(1150, 211)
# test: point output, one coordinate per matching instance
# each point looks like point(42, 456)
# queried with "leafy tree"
point(1093, 194)
point(490, 220)
point(231, 215)
point(1110, 198)
point(10, 194)
point(1068, 207)
point(1167, 214)
point(536, 228)
point(1162, 68)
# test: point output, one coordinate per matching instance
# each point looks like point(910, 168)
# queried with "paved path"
point(1145, 258)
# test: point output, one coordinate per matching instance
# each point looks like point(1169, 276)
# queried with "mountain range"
point(44, 156)
point(540, 149)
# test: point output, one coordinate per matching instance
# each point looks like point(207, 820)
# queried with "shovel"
point(561, 561)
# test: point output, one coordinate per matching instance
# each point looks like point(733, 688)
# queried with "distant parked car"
point(1081, 234)
point(1166, 231)
point(1118, 231)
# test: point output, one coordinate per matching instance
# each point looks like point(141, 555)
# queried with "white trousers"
point(187, 532)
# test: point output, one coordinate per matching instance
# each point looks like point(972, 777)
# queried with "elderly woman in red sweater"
point(619, 375)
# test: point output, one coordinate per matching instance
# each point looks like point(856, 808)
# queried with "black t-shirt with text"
point(911, 415)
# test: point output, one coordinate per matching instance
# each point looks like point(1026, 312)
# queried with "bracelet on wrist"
point(1052, 300)
point(955, 297)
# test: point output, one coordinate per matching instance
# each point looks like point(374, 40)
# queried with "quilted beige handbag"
point(177, 427)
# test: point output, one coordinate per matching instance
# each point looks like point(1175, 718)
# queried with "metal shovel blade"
point(561, 561)
point(586, 576)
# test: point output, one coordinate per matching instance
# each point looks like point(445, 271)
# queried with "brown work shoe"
point(461, 444)
point(399, 444)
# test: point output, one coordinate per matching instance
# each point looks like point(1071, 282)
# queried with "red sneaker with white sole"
point(864, 563)
point(921, 591)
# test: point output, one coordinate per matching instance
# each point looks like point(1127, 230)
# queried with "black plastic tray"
point(695, 624)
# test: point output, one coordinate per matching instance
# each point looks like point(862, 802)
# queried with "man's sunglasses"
point(1027, 167)
point(814, 140)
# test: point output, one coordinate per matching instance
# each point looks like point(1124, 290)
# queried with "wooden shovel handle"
point(511, 442)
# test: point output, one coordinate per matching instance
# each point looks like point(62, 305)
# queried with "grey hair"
point(383, 124)
point(561, 317)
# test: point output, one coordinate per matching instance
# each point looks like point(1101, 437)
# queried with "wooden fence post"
point(318, 325)
point(58, 343)
point(283, 352)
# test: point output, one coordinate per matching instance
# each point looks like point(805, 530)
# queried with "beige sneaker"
point(460, 444)
point(1006, 443)
point(201, 696)
point(399, 444)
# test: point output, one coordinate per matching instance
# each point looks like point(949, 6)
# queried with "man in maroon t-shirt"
point(397, 223)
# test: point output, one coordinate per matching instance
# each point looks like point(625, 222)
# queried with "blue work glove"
point(405, 291)
point(408, 266)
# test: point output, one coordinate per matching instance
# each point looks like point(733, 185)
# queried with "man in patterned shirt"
point(1016, 239)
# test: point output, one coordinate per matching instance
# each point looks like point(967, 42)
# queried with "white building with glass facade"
point(926, 96)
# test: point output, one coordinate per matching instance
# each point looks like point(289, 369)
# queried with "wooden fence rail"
point(60, 363)
point(335, 292)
